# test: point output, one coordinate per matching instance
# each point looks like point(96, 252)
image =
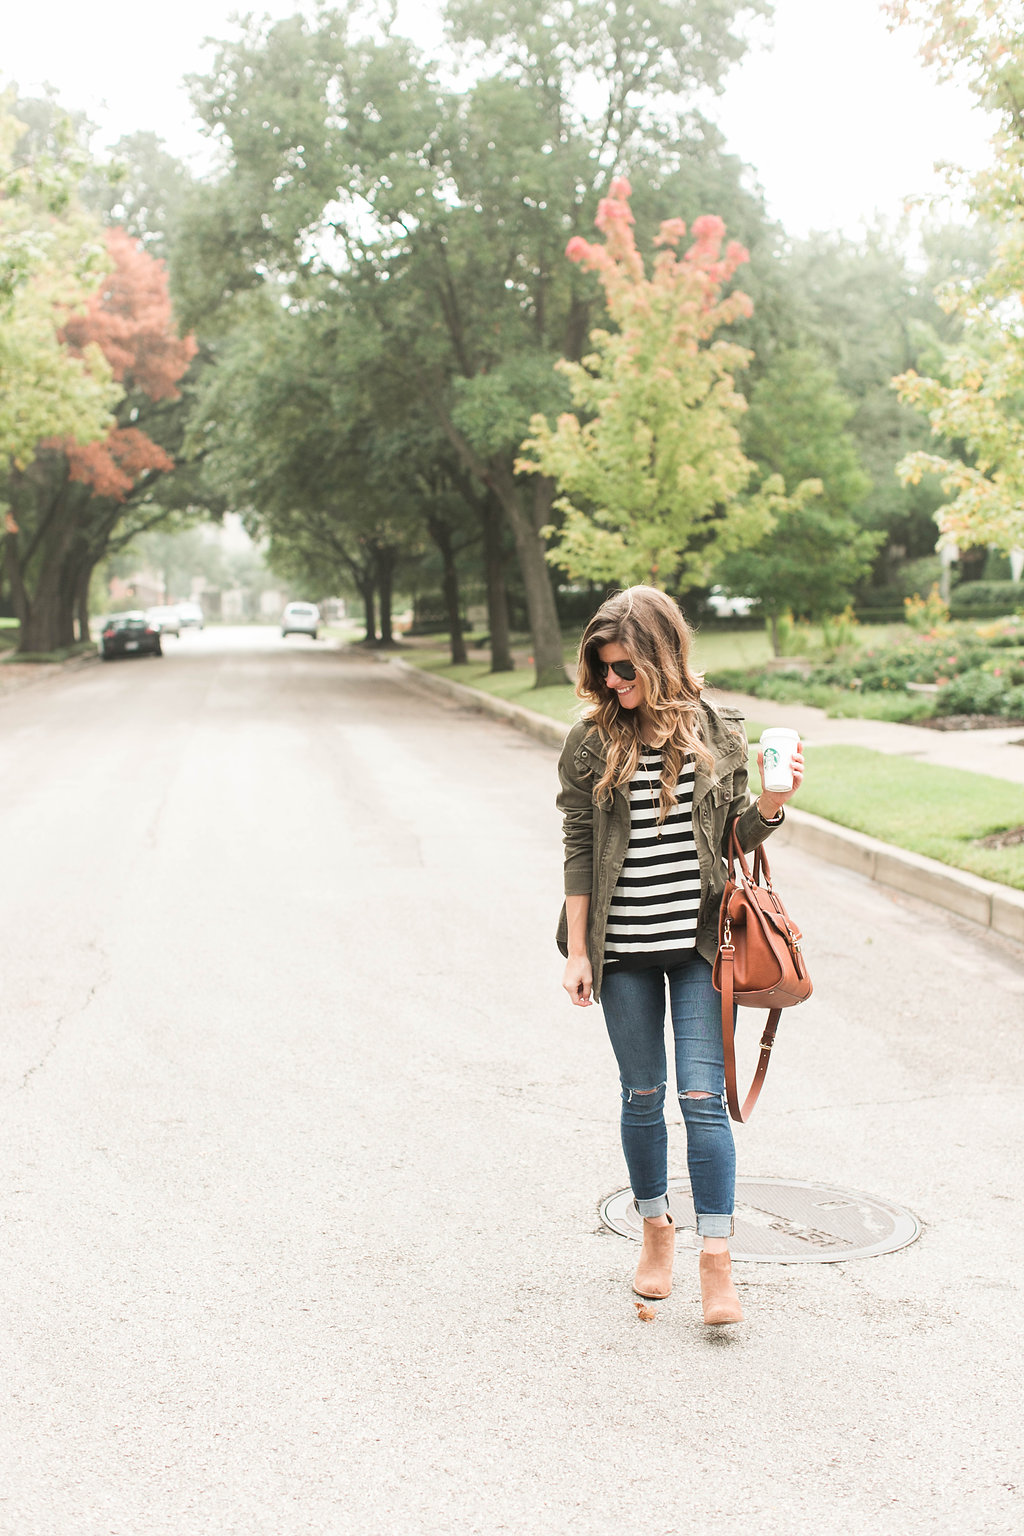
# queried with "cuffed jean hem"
point(656, 1207)
point(715, 1226)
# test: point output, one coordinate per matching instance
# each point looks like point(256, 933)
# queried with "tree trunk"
point(442, 537)
point(385, 563)
point(40, 629)
point(545, 630)
point(68, 595)
point(82, 603)
point(368, 594)
point(497, 592)
point(46, 613)
point(13, 574)
point(39, 615)
point(773, 630)
point(500, 477)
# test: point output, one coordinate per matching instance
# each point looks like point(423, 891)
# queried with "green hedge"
point(986, 597)
point(868, 614)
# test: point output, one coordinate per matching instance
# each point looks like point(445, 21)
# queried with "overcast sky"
point(837, 116)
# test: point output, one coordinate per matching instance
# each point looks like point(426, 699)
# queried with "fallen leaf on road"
point(645, 1314)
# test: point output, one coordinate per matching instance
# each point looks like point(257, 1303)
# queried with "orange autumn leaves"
point(652, 481)
point(130, 319)
point(620, 265)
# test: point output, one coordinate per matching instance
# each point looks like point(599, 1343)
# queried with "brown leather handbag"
point(759, 964)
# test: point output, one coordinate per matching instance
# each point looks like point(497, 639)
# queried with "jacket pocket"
point(721, 792)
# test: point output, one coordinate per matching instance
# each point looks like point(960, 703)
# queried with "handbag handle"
point(737, 856)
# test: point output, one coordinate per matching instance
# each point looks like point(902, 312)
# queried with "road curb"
point(985, 902)
point(540, 727)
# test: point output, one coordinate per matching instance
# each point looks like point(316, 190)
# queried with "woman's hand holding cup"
point(780, 761)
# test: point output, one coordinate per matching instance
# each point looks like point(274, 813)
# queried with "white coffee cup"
point(778, 743)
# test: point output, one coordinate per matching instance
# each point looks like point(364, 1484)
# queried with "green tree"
point(76, 496)
point(52, 259)
point(868, 309)
point(455, 204)
point(654, 479)
point(69, 501)
point(286, 427)
point(975, 398)
point(811, 562)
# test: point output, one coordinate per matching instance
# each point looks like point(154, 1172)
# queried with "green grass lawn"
point(560, 703)
point(939, 812)
point(721, 649)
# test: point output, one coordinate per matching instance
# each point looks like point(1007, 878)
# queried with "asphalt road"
point(302, 1149)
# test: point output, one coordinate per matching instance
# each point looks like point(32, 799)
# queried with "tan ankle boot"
point(717, 1292)
point(653, 1277)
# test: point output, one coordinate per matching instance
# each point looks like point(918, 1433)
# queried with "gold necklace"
point(658, 828)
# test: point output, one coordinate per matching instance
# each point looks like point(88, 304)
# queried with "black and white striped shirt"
point(652, 919)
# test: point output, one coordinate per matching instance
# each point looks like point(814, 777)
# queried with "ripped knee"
point(699, 1103)
point(650, 1096)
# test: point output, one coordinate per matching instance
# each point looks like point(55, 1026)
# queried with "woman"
point(652, 778)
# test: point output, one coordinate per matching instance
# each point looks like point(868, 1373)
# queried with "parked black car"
point(126, 634)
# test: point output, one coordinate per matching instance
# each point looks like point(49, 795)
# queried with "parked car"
point(725, 607)
point(300, 619)
point(190, 615)
point(126, 634)
point(165, 619)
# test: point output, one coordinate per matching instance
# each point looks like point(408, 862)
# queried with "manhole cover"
point(785, 1221)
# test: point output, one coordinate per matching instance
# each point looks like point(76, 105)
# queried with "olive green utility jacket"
point(596, 836)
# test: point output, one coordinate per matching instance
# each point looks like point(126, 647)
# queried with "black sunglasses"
point(623, 669)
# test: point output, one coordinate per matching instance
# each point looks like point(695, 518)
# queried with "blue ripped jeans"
point(634, 1011)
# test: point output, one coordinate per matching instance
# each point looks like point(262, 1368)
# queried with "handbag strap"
point(761, 875)
point(742, 1112)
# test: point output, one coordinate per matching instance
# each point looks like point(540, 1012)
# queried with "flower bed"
point(973, 670)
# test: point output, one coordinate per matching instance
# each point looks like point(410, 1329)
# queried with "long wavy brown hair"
point(651, 629)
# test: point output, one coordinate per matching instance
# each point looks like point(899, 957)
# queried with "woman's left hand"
point(771, 801)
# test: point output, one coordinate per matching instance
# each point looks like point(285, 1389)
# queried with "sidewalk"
point(999, 908)
point(15, 674)
point(997, 752)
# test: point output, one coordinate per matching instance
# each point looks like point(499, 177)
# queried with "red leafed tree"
point(71, 500)
point(111, 467)
point(653, 481)
point(130, 319)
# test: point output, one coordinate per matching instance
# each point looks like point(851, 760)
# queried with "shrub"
point(981, 692)
point(926, 613)
point(839, 631)
point(987, 597)
point(921, 659)
point(979, 670)
point(1004, 632)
